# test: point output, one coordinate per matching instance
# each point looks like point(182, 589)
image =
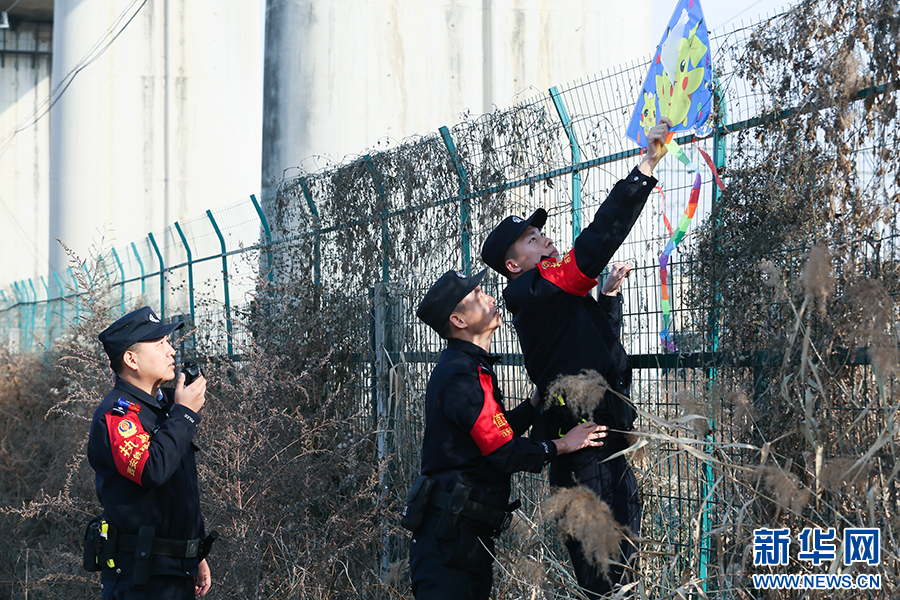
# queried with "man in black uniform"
point(470, 448)
point(564, 331)
point(141, 450)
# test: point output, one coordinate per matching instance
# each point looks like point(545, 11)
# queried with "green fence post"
point(62, 303)
point(33, 312)
point(465, 220)
point(17, 289)
point(76, 293)
point(5, 312)
point(5, 315)
point(122, 274)
point(25, 315)
point(268, 232)
point(141, 265)
point(162, 279)
point(576, 158)
point(190, 265)
point(18, 293)
point(47, 311)
point(385, 237)
point(224, 282)
point(706, 526)
point(317, 270)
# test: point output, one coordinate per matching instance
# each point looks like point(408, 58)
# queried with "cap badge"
point(517, 220)
point(153, 318)
point(461, 275)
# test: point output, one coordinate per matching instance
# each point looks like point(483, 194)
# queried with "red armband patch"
point(130, 444)
point(491, 429)
point(566, 275)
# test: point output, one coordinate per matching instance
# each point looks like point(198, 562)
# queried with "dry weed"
point(582, 392)
point(839, 472)
point(581, 516)
point(787, 490)
point(818, 276)
point(772, 278)
point(691, 404)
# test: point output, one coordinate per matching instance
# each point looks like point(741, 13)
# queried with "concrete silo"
point(341, 74)
point(156, 115)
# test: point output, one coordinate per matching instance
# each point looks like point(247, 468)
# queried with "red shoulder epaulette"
point(491, 430)
point(129, 442)
point(566, 275)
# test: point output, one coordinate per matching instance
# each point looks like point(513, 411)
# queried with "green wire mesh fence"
point(361, 243)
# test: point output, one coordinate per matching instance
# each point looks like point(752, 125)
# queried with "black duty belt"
point(162, 546)
point(492, 518)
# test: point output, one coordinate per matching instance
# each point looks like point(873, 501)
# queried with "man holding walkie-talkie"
point(150, 541)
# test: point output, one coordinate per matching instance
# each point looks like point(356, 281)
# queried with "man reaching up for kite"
point(564, 331)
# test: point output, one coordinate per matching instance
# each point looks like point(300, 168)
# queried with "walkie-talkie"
point(191, 372)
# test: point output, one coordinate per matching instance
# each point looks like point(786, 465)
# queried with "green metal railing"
point(574, 131)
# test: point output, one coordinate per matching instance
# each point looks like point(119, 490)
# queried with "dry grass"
point(799, 260)
point(581, 516)
point(582, 392)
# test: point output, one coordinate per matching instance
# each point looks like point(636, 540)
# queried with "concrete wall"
point(161, 126)
point(341, 75)
point(24, 150)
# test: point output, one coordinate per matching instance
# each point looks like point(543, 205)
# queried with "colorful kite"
point(678, 84)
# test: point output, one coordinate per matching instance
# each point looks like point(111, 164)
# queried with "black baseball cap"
point(502, 237)
point(139, 325)
point(444, 295)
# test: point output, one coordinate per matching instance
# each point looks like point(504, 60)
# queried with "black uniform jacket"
point(469, 437)
point(561, 328)
point(147, 473)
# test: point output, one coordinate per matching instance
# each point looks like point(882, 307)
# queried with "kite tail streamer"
point(662, 209)
point(712, 167)
point(674, 240)
point(676, 151)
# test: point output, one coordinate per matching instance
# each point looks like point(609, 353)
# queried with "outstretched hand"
point(656, 145)
point(617, 275)
point(581, 436)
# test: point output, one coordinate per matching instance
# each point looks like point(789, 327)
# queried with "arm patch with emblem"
point(566, 275)
point(130, 444)
point(491, 429)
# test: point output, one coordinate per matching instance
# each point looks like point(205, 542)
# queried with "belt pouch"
point(142, 554)
point(93, 546)
point(416, 503)
point(109, 546)
point(206, 544)
point(448, 527)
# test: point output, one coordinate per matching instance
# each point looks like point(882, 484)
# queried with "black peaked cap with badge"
point(444, 295)
point(493, 252)
point(139, 325)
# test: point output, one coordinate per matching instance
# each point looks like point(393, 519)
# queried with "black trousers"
point(457, 569)
point(159, 588)
point(614, 482)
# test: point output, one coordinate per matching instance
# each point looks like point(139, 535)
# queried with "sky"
point(719, 13)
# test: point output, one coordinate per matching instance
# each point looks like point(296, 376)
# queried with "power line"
point(44, 107)
point(95, 52)
point(36, 253)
